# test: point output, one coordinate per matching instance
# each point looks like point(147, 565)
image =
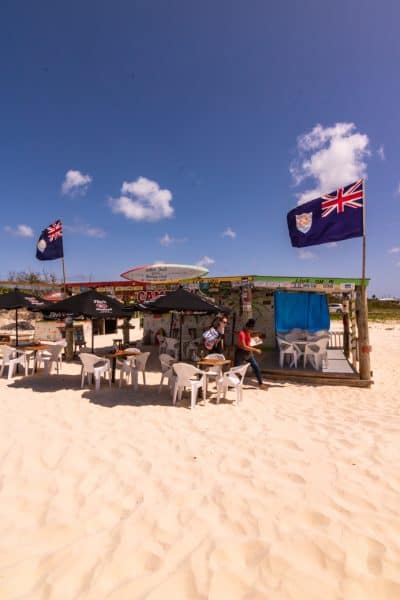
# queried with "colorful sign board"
point(164, 273)
point(307, 283)
point(141, 291)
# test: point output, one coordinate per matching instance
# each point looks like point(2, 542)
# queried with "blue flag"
point(50, 243)
point(330, 218)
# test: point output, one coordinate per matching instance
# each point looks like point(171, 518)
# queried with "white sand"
point(294, 494)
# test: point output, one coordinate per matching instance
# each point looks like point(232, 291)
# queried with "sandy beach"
point(294, 494)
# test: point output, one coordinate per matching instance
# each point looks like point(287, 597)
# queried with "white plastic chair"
point(167, 372)
point(127, 366)
point(232, 379)
point(294, 335)
point(50, 355)
point(215, 370)
point(318, 335)
point(188, 376)
point(94, 366)
point(286, 348)
point(162, 344)
point(172, 347)
point(11, 358)
point(316, 353)
point(192, 349)
point(140, 367)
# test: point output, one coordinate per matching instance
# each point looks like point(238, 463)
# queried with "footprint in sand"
point(317, 518)
point(296, 478)
point(290, 444)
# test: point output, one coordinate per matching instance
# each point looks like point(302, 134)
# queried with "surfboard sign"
point(164, 273)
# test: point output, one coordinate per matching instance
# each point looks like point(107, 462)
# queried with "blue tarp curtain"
point(302, 310)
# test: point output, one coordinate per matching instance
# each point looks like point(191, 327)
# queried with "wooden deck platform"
point(337, 372)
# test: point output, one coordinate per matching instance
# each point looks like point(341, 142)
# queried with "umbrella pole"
point(170, 324)
point(16, 326)
point(92, 338)
point(180, 335)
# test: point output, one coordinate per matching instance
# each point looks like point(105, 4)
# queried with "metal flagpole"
point(362, 313)
point(364, 237)
point(64, 278)
point(69, 323)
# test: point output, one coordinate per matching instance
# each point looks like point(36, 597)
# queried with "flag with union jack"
point(331, 218)
point(50, 243)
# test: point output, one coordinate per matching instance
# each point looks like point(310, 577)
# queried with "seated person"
point(211, 338)
point(220, 324)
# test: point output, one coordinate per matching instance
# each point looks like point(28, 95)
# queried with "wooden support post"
point(364, 348)
point(125, 331)
point(69, 338)
point(353, 334)
point(346, 327)
point(247, 302)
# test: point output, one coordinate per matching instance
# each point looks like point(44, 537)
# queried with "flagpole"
point(64, 278)
point(364, 236)
point(364, 348)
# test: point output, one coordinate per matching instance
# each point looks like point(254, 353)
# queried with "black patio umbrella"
point(16, 300)
point(183, 302)
point(92, 305)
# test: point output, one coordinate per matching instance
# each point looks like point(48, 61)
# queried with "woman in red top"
point(245, 351)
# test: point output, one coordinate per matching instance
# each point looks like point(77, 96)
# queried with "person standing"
point(245, 352)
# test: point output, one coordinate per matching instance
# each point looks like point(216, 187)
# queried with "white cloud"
point(394, 250)
point(331, 156)
point(168, 240)
point(381, 152)
point(88, 230)
point(206, 261)
point(304, 254)
point(20, 230)
point(143, 200)
point(229, 233)
point(75, 182)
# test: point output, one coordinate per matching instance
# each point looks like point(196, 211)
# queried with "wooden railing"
point(336, 339)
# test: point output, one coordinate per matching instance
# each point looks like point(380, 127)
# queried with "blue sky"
point(184, 132)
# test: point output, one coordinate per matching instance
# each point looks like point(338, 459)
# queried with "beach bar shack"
point(256, 296)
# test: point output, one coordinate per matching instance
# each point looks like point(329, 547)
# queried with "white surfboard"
point(164, 273)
